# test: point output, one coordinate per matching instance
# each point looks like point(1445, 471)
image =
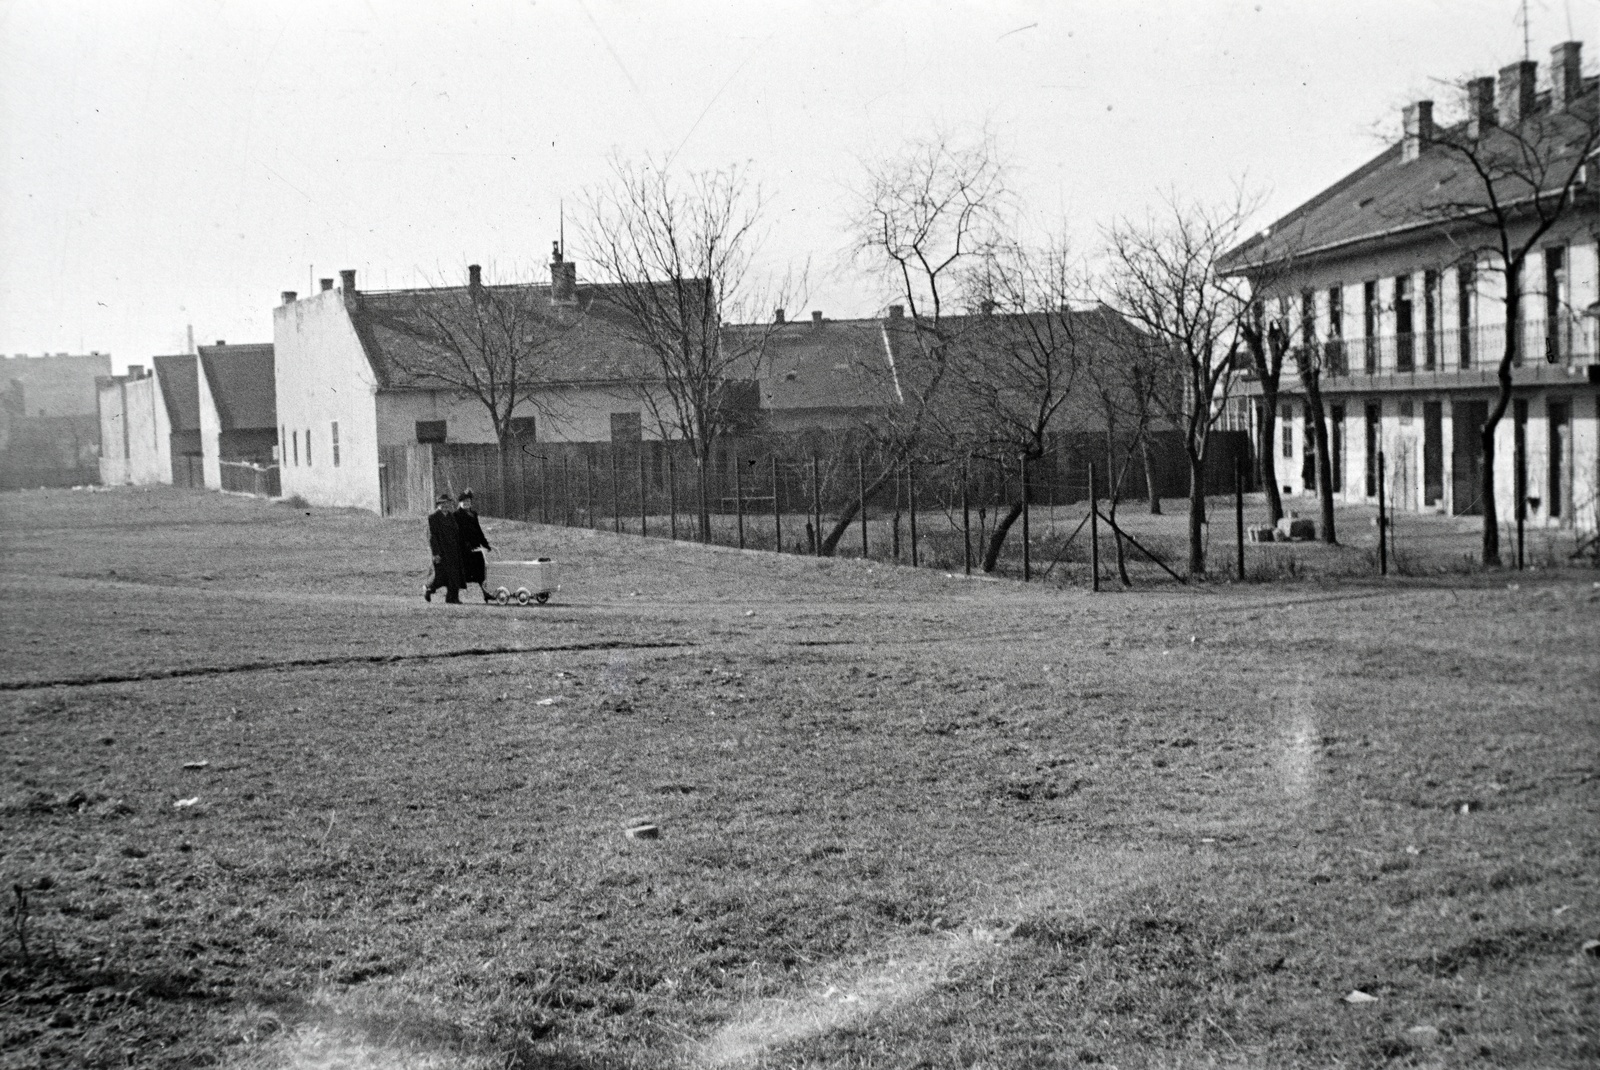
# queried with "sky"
point(173, 164)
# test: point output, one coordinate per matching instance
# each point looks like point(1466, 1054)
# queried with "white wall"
point(210, 431)
point(323, 378)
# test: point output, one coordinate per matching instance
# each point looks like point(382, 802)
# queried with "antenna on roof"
point(1527, 47)
point(561, 232)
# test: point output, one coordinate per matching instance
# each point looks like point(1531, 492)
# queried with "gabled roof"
point(592, 347)
point(180, 389)
point(1388, 196)
point(242, 385)
point(826, 364)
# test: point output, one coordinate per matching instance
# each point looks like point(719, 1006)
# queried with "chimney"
point(563, 277)
point(1417, 119)
point(136, 371)
point(221, 342)
point(347, 281)
point(1566, 74)
point(816, 317)
point(1480, 107)
point(1516, 92)
point(474, 276)
point(327, 284)
point(777, 317)
point(897, 312)
point(288, 297)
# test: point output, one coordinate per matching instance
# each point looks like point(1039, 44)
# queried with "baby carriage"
point(522, 581)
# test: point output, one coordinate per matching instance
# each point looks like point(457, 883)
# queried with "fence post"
point(544, 488)
point(861, 493)
point(566, 490)
point(1027, 551)
point(738, 496)
point(589, 486)
point(702, 519)
point(816, 508)
point(616, 500)
point(1383, 523)
point(644, 496)
point(1238, 509)
point(966, 514)
point(672, 493)
point(1094, 530)
point(911, 505)
point(777, 516)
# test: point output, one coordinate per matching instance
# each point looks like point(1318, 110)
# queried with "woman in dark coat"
point(444, 542)
point(474, 567)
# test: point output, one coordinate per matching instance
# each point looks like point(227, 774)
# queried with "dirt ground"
point(264, 807)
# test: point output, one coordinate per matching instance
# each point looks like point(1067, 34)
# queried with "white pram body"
point(521, 581)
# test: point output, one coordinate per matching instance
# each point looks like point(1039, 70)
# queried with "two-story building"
point(1389, 274)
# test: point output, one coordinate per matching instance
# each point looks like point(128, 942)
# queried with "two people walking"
point(455, 539)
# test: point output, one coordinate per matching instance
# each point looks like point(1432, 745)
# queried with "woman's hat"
point(466, 494)
point(443, 499)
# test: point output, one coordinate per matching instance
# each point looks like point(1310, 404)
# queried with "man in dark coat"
point(444, 540)
point(474, 567)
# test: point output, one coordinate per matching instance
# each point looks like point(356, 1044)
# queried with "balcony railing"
point(1562, 343)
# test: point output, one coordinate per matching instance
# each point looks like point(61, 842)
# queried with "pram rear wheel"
point(502, 595)
point(522, 596)
point(542, 597)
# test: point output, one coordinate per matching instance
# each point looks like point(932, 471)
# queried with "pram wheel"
point(522, 596)
point(502, 595)
point(542, 597)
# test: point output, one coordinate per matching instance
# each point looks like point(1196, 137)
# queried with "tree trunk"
point(1266, 458)
point(1150, 487)
point(1491, 514)
point(1197, 515)
point(991, 553)
point(1311, 377)
point(847, 516)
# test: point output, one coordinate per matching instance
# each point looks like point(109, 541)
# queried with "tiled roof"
point(828, 365)
point(1387, 196)
point(180, 389)
point(594, 348)
point(242, 385)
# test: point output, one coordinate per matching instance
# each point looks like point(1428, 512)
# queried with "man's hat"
point(443, 499)
point(466, 494)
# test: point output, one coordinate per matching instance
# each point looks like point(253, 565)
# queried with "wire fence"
point(815, 497)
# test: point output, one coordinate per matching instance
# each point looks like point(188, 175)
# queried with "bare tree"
point(1267, 344)
point(1526, 175)
point(1163, 277)
point(1016, 365)
point(922, 219)
point(1308, 357)
point(498, 345)
point(678, 257)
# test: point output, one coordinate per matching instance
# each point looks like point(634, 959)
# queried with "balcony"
point(1547, 351)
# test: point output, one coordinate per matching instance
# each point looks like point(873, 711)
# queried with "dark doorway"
point(1336, 435)
point(1466, 456)
point(1373, 417)
point(1556, 413)
point(1432, 452)
point(1405, 353)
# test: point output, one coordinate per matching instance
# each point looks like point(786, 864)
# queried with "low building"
point(239, 430)
point(1387, 276)
point(135, 429)
point(177, 384)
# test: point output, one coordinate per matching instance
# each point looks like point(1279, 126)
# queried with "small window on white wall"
point(294, 437)
point(308, 447)
point(335, 430)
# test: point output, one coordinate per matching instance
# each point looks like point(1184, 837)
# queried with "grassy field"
point(906, 819)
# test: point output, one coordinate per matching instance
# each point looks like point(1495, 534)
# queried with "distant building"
point(135, 430)
point(49, 422)
point(178, 385)
point(238, 412)
point(1410, 330)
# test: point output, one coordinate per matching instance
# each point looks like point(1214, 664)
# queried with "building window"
point(1556, 415)
point(1285, 415)
point(524, 428)
point(1405, 345)
point(430, 430)
point(1335, 362)
point(1336, 433)
point(1514, 288)
point(335, 429)
point(626, 427)
point(1430, 319)
point(1556, 342)
point(1407, 410)
point(1308, 318)
point(308, 447)
point(294, 436)
point(1373, 417)
point(1369, 325)
point(1466, 298)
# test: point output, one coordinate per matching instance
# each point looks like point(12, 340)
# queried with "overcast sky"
point(176, 163)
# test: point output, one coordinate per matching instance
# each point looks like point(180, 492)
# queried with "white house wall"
point(210, 432)
point(323, 379)
point(574, 414)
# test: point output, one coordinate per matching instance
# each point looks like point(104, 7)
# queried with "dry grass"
point(907, 820)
